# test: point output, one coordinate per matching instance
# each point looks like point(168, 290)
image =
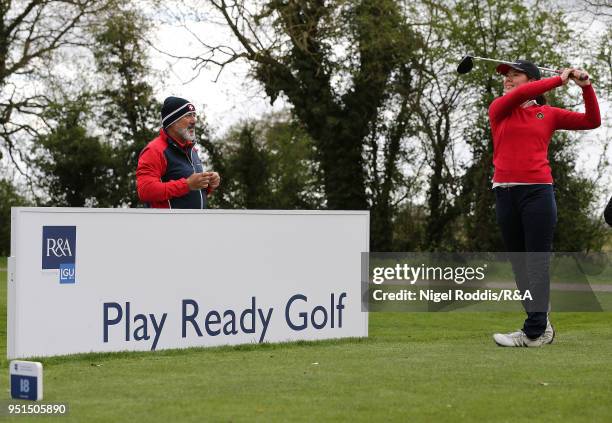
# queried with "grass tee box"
point(96, 280)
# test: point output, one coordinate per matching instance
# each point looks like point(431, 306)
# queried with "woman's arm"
point(502, 106)
point(590, 119)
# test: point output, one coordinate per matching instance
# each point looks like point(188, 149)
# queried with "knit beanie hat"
point(173, 109)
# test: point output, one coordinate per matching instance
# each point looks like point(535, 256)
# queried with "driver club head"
point(465, 65)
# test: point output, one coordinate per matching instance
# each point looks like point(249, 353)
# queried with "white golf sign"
point(94, 280)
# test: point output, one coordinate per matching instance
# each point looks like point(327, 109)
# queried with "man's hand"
point(215, 180)
point(199, 180)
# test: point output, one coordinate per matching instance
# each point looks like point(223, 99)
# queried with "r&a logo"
point(58, 246)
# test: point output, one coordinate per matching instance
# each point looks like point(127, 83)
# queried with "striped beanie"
point(173, 109)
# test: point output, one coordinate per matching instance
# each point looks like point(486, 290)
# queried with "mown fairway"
point(413, 367)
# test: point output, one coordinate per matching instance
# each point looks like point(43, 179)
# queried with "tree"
point(577, 229)
point(129, 110)
point(31, 32)
point(601, 8)
point(10, 196)
point(265, 164)
point(438, 114)
point(75, 168)
point(250, 167)
point(336, 94)
point(296, 179)
point(373, 84)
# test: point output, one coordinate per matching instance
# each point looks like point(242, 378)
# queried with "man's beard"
point(188, 135)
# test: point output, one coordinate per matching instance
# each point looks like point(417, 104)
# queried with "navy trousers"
point(527, 215)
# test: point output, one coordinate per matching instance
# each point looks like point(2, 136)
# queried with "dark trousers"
point(527, 215)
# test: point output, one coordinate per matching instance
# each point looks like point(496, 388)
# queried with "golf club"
point(467, 63)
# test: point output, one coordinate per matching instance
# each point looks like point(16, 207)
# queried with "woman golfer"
point(522, 126)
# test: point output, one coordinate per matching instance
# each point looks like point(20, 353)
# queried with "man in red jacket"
point(170, 172)
point(525, 201)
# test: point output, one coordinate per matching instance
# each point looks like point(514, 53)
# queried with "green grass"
point(438, 367)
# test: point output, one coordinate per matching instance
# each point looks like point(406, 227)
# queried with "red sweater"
point(521, 134)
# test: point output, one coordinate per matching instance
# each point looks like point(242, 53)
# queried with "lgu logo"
point(59, 251)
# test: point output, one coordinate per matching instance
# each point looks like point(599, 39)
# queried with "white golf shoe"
point(519, 339)
point(549, 333)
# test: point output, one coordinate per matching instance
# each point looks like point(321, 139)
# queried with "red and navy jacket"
point(161, 177)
